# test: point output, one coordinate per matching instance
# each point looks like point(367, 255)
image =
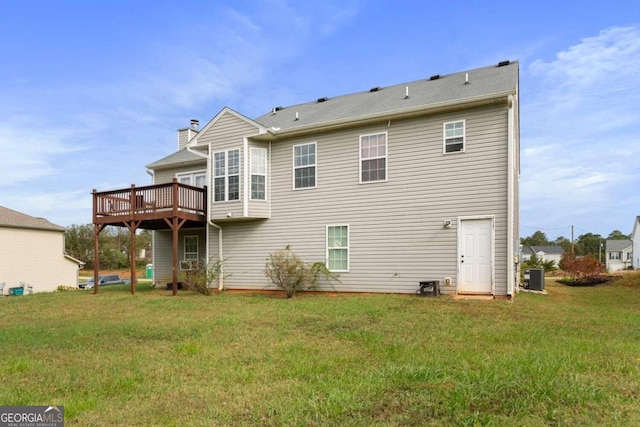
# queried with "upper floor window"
point(454, 136)
point(258, 173)
point(304, 165)
point(197, 178)
point(373, 157)
point(226, 173)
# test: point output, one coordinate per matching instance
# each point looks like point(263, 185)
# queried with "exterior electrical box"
point(536, 279)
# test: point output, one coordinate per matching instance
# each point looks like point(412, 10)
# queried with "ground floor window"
point(338, 248)
point(191, 248)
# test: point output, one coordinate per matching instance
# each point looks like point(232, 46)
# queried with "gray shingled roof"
point(617, 245)
point(550, 250)
point(15, 219)
point(447, 88)
point(179, 157)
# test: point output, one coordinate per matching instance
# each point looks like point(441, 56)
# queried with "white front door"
point(475, 256)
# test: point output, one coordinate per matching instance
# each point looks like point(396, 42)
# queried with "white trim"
point(184, 247)
point(226, 175)
point(192, 175)
point(251, 174)
point(512, 239)
point(386, 157)
point(261, 129)
point(464, 136)
point(314, 165)
point(348, 248)
point(246, 178)
point(460, 219)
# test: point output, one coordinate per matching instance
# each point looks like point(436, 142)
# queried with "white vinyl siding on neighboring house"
point(258, 173)
point(226, 172)
point(338, 248)
point(454, 136)
point(373, 157)
point(304, 166)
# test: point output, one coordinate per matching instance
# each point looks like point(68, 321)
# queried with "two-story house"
point(618, 255)
point(389, 187)
point(32, 253)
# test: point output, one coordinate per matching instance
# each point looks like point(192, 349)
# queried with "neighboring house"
point(635, 247)
point(543, 253)
point(389, 187)
point(618, 255)
point(32, 251)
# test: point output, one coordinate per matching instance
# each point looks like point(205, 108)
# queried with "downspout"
point(153, 238)
point(209, 221)
point(510, 199)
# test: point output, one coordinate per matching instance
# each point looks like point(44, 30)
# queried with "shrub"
point(199, 277)
point(581, 269)
point(67, 288)
point(288, 271)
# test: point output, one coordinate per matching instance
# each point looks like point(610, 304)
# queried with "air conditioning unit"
point(188, 265)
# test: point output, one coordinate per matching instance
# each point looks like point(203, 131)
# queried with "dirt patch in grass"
point(590, 281)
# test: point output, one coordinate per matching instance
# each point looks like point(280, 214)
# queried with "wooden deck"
point(154, 207)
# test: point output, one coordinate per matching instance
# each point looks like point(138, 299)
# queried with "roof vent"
point(278, 108)
point(375, 89)
point(503, 63)
point(194, 124)
point(322, 99)
point(434, 77)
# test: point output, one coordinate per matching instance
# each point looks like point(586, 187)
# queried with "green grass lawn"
point(571, 357)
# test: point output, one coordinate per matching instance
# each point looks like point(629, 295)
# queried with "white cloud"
point(579, 133)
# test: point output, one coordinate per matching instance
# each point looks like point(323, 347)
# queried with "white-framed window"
point(628, 256)
point(258, 173)
point(338, 248)
point(191, 248)
point(614, 255)
point(226, 175)
point(304, 165)
point(454, 136)
point(373, 157)
point(195, 178)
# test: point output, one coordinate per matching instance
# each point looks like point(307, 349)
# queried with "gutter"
point(494, 98)
point(210, 222)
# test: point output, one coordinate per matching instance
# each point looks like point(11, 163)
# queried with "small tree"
point(583, 269)
point(288, 271)
point(200, 277)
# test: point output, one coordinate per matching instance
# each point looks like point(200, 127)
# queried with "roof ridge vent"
point(503, 63)
point(434, 77)
point(375, 89)
point(323, 99)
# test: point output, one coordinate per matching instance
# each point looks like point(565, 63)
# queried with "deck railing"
point(172, 196)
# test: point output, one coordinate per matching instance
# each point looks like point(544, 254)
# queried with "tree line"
point(114, 245)
point(585, 244)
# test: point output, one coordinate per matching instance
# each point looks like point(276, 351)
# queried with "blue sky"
point(90, 92)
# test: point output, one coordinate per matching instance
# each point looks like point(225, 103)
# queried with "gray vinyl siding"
point(396, 233)
point(163, 267)
point(228, 133)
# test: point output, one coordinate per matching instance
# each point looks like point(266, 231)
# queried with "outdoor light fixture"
point(446, 223)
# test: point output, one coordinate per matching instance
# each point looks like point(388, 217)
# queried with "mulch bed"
point(592, 281)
